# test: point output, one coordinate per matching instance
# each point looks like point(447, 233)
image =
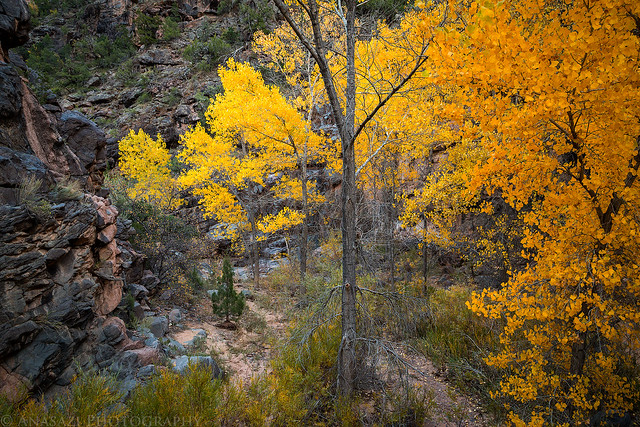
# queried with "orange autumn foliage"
point(551, 92)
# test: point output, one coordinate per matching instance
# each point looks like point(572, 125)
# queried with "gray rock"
point(138, 292)
point(182, 111)
point(212, 292)
point(166, 295)
point(158, 326)
point(86, 141)
point(175, 316)
point(149, 280)
point(10, 88)
point(146, 372)
point(125, 365)
point(144, 331)
point(101, 98)
point(65, 104)
point(173, 347)
point(158, 57)
point(104, 354)
point(126, 386)
point(93, 81)
point(129, 97)
point(276, 248)
point(241, 273)
point(15, 167)
point(152, 342)
point(246, 293)
point(111, 335)
point(138, 311)
point(181, 364)
point(52, 108)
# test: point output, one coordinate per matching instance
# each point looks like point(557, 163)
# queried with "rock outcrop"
point(14, 25)
point(64, 255)
point(61, 278)
point(68, 146)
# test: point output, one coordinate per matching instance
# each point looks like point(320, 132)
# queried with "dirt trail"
point(241, 352)
point(245, 354)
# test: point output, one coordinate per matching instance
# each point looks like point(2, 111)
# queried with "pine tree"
point(225, 300)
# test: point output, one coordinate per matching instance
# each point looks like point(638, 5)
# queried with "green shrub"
point(127, 73)
point(64, 67)
point(29, 195)
point(144, 98)
point(225, 300)
point(231, 36)
point(42, 8)
point(170, 29)
point(256, 16)
point(225, 6)
point(172, 98)
point(193, 398)
point(110, 52)
point(146, 28)
point(92, 398)
point(207, 55)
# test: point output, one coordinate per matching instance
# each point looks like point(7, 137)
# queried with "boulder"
point(175, 316)
point(149, 280)
point(87, 142)
point(138, 292)
point(158, 57)
point(173, 347)
point(11, 90)
point(129, 97)
point(147, 355)
point(158, 326)
point(182, 363)
point(100, 98)
point(15, 168)
point(147, 371)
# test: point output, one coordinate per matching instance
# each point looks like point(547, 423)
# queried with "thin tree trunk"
point(347, 357)
point(255, 255)
point(305, 223)
point(391, 215)
point(425, 257)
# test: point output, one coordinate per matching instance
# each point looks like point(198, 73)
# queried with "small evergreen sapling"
point(226, 301)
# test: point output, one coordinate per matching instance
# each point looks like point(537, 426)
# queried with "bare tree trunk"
point(345, 122)
point(347, 357)
point(255, 255)
point(425, 257)
point(391, 216)
point(305, 223)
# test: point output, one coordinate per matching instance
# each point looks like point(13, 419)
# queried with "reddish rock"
point(107, 297)
point(147, 355)
point(107, 234)
point(12, 386)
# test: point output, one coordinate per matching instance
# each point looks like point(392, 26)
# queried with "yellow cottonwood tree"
point(146, 162)
point(272, 137)
point(551, 90)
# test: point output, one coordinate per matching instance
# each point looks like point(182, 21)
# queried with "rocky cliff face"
point(65, 145)
point(63, 266)
point(14, 26)
point(60, 278)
